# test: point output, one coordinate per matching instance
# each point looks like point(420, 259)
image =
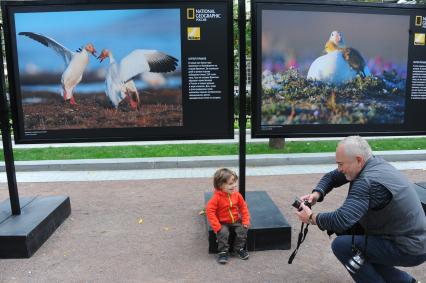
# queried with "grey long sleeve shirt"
point(356, 203)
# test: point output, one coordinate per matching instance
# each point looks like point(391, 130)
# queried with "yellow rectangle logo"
point(419, 20)
point(194, 33)
point(419, 39)
point(190, 13)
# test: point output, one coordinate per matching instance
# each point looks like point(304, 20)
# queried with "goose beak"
point(100, 58)
point(90, 48)
point(103, 55)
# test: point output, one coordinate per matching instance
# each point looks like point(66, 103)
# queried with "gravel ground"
point(150, 231)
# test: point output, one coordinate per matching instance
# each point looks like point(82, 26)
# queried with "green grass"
point(90, 152)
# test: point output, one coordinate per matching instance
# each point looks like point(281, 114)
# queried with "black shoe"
point(243, 254)
point(222, 257)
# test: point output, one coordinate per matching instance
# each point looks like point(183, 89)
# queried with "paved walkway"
point(178, 173)
point(150, 231)
point(191, 167)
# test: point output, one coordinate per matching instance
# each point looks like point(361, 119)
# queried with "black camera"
point(297, 202)
point(355, 262)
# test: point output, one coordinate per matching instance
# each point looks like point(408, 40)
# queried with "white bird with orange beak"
point(76, 62)
point(334, 42)
point(119, 77)
point(340, 64)
point(351, 55)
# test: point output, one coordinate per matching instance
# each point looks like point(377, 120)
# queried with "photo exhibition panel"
point(324, 69)
point(85, 71)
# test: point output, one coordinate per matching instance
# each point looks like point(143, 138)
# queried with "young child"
point(227, 211)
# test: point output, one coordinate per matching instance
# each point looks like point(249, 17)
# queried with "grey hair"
point(356, 146)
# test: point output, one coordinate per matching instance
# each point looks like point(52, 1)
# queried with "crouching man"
point(383, 203)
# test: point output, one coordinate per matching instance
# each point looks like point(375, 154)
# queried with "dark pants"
point(223, 236)
point(382, 256)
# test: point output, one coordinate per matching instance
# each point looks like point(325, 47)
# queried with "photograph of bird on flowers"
point(333, 68)
point(100, 69)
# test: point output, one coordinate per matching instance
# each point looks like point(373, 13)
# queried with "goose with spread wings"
point(119, 76)
point(75, 61)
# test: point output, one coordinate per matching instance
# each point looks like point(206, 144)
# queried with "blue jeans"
point(382, 256)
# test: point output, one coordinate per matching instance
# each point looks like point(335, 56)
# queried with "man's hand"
point(304, 214)
point(246, 226)
point(311, 198)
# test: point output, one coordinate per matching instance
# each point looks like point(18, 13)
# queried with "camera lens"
point(296, 203)
point(355, 263)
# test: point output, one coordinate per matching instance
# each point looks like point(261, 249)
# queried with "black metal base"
point(21, 235)
point(421, 192)
point(269, 229)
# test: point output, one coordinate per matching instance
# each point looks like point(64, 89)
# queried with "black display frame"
point(224, 126)
point(7, 144)
point(322, 130)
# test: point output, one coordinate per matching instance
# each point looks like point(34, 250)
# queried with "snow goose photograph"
point(54, 51)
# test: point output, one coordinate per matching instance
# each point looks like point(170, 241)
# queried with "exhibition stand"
point(202, 51)
point(192, 96)
point(27, 222)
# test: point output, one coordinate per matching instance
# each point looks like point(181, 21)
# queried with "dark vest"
point(403, 219)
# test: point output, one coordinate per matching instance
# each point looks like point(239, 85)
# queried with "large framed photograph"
point(330, 69)
point(119, 70)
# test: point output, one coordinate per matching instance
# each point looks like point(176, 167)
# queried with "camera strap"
point(365, 244)
point(365, 233)
point(300, 239)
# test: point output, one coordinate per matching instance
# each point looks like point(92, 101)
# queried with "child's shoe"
point(222, 257)
point(243, 254)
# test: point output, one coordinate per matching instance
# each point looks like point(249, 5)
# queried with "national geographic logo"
point(202, 15)
point(420, 21)
point(190, 13)
point(194, 33)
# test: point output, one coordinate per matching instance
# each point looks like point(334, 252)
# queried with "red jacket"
point(226, 208)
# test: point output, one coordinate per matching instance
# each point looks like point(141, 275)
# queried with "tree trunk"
point(276, 143)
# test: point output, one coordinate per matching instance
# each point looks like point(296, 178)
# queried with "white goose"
point(154, 80)
point(119, 77)
point(331, 68)
point(76, 62)
point(340, 64)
